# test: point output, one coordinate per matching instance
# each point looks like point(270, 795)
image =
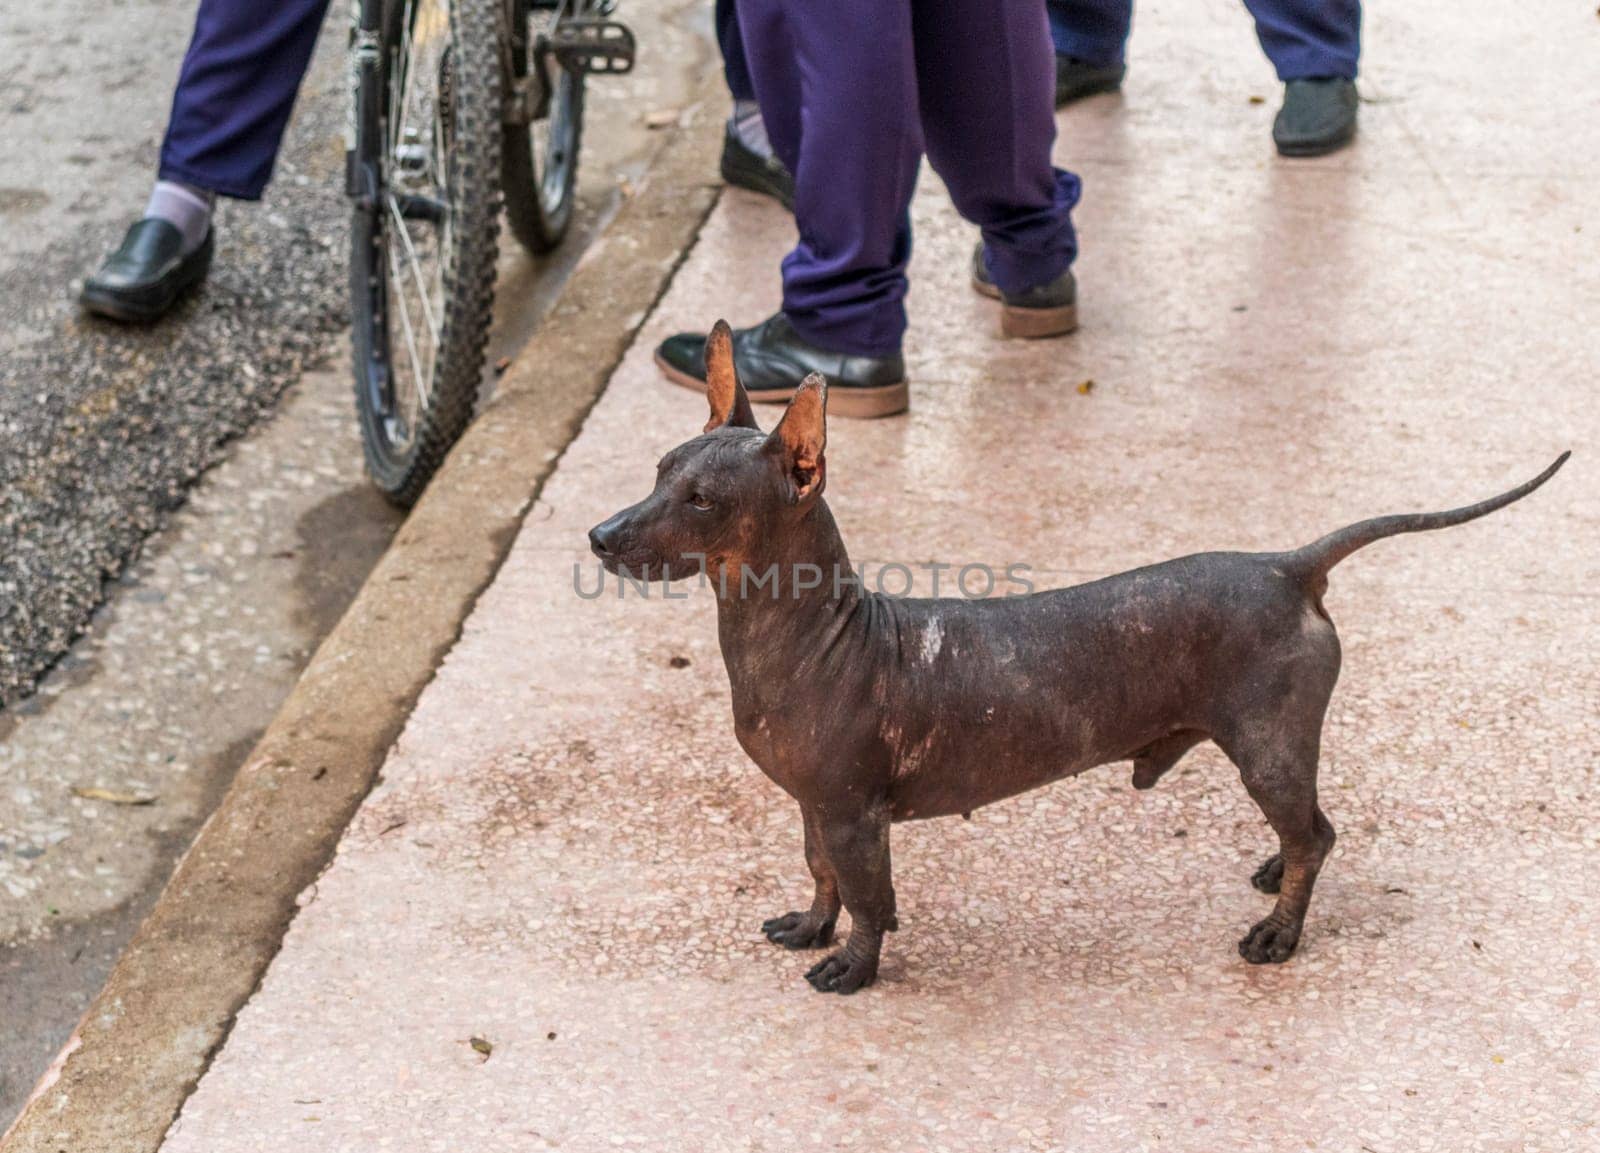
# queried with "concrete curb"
point(168, 1005)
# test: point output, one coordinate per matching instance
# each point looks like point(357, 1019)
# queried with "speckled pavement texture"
point(569, 857)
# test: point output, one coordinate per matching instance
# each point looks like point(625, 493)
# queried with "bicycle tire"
point(401, 471)
point(539, 207)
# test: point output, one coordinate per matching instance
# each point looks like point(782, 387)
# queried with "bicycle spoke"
point(417, 374)
point(417, 140)
point(399, 91)
point(423, 289)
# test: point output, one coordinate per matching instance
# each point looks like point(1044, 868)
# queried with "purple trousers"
point(853, 92)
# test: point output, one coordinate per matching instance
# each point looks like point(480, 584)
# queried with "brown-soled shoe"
point(1048, 309)
point(773, 359)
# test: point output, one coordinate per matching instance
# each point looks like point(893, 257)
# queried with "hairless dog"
point(868, 709)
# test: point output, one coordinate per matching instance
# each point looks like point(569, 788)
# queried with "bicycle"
point(459, 107)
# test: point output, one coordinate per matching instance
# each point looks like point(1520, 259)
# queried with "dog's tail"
point(1312, 563)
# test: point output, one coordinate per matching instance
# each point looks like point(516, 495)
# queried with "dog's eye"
point(700, 501)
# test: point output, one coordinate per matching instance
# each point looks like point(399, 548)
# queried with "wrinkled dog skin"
point(869, 710)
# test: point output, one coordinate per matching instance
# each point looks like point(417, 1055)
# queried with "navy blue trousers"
point(853, 93)
point(235, 91)
point(735, 69)
point(1302, 38)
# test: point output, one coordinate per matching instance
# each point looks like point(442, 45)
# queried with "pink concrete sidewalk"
point(570, 857)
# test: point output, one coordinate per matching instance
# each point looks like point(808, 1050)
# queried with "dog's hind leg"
point(1277, 755)
point(1283, 782)
point(1269, 877)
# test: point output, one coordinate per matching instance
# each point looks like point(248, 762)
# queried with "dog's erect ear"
point(729, 404)
point(800, 438)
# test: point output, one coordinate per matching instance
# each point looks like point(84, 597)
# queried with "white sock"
point(186, 208)
point(751, 130)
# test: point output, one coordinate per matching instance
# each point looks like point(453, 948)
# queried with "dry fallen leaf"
point(482, 1045)
point(661, 118)
point(1258, 99)
point(1086, 387)
point(94, 793)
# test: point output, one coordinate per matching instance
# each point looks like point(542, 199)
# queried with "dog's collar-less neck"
point(809, 577)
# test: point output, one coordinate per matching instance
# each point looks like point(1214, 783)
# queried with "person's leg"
point(735, 69)
point(838, 93)
point(983, 69)
point(1309, 39)
point(1094, 31)
point(854, 154)
point(1316, 46)
point(747, 158)
point(1091, 39)
point(235, 91)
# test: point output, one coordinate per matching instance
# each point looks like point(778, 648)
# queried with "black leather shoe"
point(773, 360)
point(1076, 78)
point(1317, 117)
point(744, 167)
point(146, 274)
point(1049, 309)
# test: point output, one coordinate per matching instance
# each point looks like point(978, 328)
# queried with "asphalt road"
point(182, 511)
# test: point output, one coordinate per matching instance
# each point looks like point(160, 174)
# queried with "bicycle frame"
point(364, 144)
point(364, 130)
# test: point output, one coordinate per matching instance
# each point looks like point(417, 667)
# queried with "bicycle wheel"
point(539, 161)
point(423, 248)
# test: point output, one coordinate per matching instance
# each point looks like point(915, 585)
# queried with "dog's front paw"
point(1270, 942)
point(799, 931)
point(843, 973)
point(1269, 877)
